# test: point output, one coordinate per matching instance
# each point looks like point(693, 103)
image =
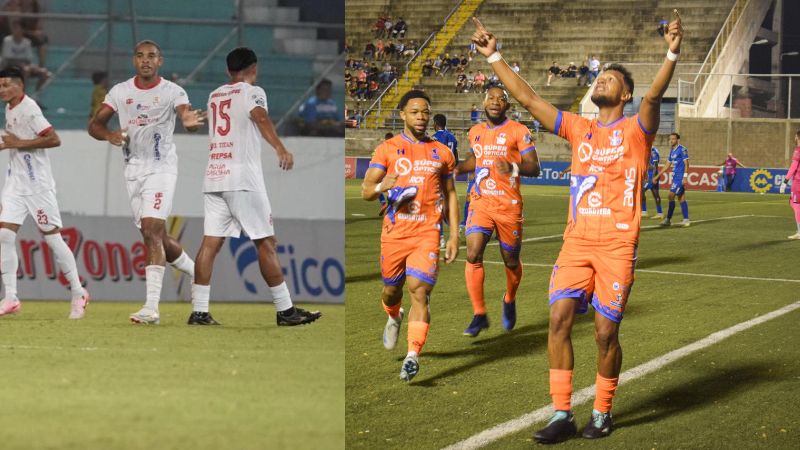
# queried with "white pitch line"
point(520, 423)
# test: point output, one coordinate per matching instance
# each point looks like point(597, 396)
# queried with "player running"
point(652, 184)
point(235, 197)
point(679, 156)
point(793, 175)
point(147, 106)
point(30, 190)
point(502, 150)
point(416, 174)
point(597, 259)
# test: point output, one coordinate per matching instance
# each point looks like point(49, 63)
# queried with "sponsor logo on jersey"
point(616, 138)
point(402, 166)
point(501, 139)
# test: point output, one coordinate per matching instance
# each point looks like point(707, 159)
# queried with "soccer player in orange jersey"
point(501, 150)
point(597, 260)
point(416, 174)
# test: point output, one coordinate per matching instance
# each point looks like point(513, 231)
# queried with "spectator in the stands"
point(583, 74)
point(387, 75)
point(389, 50)
point(427, 67)
point(594, 68)
point(515, 114)
point(380, 50)
point(515, 67)
point(399, 47)
point(479, 81)
point(553, 71)
point(100, 82)
point(378, 27)
point(387, 27)
point(411, 48)
point(461, 83)
point(475, 115)
point(369, 51)
point(320, 114)
point(372, 90)
point(18, 51)
point(361, 91)
point(472, 49)
point(493, 79)
point(400, 28)
point(662, 27)
point(445, 64)
point(32, 29)
point(455, 62)
point(437, 65)
point(464, 62)
point(571, 71)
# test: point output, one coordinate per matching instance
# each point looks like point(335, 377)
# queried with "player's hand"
point(118, 137)
point(503, 167)
point(388, 182)
point(194, 118)
point(674, 33)
point(451, 250)
point(285, 160)
point(485, 41)
point(10, 140)
point(782, 189)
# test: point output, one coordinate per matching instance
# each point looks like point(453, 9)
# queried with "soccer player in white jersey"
point(235, 197)
point(147, 106)
point(30, 189)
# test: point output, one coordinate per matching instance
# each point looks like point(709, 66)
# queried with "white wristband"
point(494, 57)
point(378, 188)
point(514, 170)
point(672, 56)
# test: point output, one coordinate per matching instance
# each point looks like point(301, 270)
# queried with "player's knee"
point(561, 321)
point(392, 293)
point(512, 262)
point(606, 338)
point(474, 256)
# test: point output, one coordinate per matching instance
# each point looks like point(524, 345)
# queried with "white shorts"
point(43, 207)
point(228, 213)
point(151, 196)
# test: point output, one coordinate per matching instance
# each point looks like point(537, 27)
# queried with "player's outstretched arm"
point(267, 129)
point(467, 165)
point(650, 109)
point(543, 111)
point(375, 183)
point(48, 140)
point(192, 119)
point(98, 127)
point(450, 195)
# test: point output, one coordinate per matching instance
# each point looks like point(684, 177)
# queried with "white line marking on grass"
point(520, 423)
point(358, 215)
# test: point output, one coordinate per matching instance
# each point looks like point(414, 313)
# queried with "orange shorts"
point(602, 272)
point(508, 226)
point(414, 256)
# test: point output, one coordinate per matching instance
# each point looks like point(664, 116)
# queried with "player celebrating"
point(416, 173)
point(235, 197)
point(30, 189)
point(502, 150)
point(599, 252)
point(793, 175)
point(147, 106)
point(679, 156)
point(652, 184)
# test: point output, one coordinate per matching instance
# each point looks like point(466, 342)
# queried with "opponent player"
point(599, 253)
point(502, 150)
point(793, 175)
point(679, 156)
point(147, 106)
point(235, 197)
point(416, 174)
point(30, 190)
point(652, 184)
point(447, 138)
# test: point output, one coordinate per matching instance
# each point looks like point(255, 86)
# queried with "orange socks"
point(513, 277)
point(604, 392)
point(474, 275)
point(417, 334)
point(561, 389)
point(392, 311)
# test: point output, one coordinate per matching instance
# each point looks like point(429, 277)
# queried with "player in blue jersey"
point(679, 158)
point(447, 138)
point(651, 184)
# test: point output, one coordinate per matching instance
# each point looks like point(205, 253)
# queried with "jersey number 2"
point(223, 106)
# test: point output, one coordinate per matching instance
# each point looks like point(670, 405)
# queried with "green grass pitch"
point(103, 383)
point(739, 393)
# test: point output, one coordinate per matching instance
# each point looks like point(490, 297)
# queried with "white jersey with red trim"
point(28, 170)
point(234, 158)
point(149, 117)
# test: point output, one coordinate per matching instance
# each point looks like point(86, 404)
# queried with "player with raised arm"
point(501, 151)
point(597, 259)
point(30, 190)
point(652, 184)
point(416, 173)
point(679, 157)
point(147, 106)
point(793, 177)
point(235, 198)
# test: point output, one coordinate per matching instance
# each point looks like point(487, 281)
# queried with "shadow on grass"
point(352, 219)
point(373, 276)
point(695, 393)
point(756, 245)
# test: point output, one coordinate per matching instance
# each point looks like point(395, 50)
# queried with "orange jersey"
point(608, 165)
point(425, 164)
point(507, 141)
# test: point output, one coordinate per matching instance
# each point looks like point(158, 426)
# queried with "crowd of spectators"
point(584, 75)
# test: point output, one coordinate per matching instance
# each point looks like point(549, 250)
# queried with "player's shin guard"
point(9, 262)
point(185, 264)
point(66, 262)
point(417, 335)
point(671, 209)
point(473, 272)
point(685, 209)
point(513, 278)
point(392, 311)
point(200, 297)
point(561, 389)
point(604, 392)
point(154, 276)
point(281, 297)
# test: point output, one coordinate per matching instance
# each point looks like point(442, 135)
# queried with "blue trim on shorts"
point(574, 293)
point(509, 248)
point(421, 275)
point(394, 281)
point(678, 189)
point(475, 229)
point(608, 313)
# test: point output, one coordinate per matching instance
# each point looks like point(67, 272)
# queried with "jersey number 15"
point(220, 110)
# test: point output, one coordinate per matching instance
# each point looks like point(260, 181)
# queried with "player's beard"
point(495, 120)
point(602, 101)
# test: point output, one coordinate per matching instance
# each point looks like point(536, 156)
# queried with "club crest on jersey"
point(527, 138)
point(616, 138)
point(435, 155)
point(501, 139)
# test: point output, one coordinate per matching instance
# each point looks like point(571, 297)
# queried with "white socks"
point(185, 264)
point(281, 297)
point(154, 276)
point(9, 262)
point(66, 262)
point(200, 295)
